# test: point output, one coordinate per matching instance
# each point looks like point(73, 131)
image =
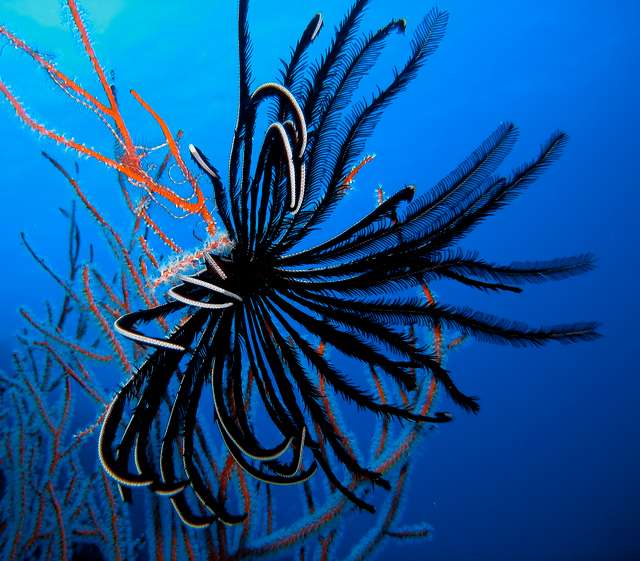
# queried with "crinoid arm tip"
point(319, 22)
point(202, 161)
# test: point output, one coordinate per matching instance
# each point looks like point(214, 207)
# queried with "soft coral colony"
point(271, 318)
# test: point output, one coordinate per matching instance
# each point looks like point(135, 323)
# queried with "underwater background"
point(549, 468)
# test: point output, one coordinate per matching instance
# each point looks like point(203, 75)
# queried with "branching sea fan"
point(264, 313)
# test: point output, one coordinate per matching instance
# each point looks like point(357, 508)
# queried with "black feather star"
point(260, 310)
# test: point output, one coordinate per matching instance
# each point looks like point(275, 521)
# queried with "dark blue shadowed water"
point(549, 468)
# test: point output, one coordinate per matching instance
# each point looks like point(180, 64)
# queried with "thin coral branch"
point(58, 338)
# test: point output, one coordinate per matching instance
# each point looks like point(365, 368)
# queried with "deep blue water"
point(549, 468)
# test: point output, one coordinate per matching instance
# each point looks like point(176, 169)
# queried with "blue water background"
point(549, 468)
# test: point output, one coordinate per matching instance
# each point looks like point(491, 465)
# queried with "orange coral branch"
point(158, 232)
point(115, 535)
point(246, 497)
point(107, 288)
point(130, 163)
point(41, 408)
point(187, 544)
point(326, 545)
point(457, 341)
point(437, 328)
point(103, 322)
point(70, 371)
point(61, 529)
point(88, 47)
point(327, 405)
point(147, 251)
point(384, 433)
point(100, 219)
point(348, 181)
point(58, 76)
point(70, 143)
point(199, 206)
point(63, 341)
